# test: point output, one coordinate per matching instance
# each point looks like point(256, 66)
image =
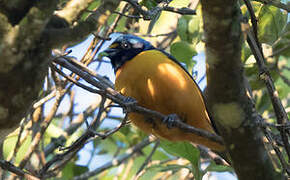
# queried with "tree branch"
point(21, 38)
point(59, 37)
point(10, 167)
point(151, 14)
point(73, 9)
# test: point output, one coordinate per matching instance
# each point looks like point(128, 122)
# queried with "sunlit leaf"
point(193, 26)
point(91, 7)
point(181, 149)
point(187, 151)
point(270, 23)
point(183, 52)
point(9, 145)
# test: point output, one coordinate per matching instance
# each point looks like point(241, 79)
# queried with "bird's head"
point(124, 48)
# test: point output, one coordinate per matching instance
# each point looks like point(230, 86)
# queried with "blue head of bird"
point(124, 48)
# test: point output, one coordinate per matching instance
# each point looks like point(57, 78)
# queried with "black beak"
point(110, 52)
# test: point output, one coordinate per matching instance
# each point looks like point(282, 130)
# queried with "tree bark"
point(26, 40)
point(228, 101)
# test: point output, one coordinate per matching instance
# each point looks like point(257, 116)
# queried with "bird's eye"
point(125, 45)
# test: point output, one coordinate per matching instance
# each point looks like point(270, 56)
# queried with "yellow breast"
point(160, 84)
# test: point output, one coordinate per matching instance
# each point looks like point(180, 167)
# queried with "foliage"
point(184, 40)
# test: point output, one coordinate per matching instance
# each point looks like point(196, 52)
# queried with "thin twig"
point(90, 133)
point(182, 11)
point(150, 14)
point(75, 124)
point(155, 35)
point(44, 100)
point(116, 161)
point(277, 52)
point(284, 164)
point(147, 160)
point(5, 165)
point(45, 124)
point(279, 110)
point(74, 80)
point(285, 79)
point(128, 16)
point(73, 148)
point(253, 20)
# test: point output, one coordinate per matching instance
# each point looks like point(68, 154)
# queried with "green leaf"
point(282, 88)
point(170, 167)
point(246, 52)
point(183, 52)
point(9, 145)
point(70, 170)
point(182, 25)
point(193, 25)
point(282, 45)
point(181, 149)
point(108, 145)
point(91, 7)
point(218, 168)
point(271, 21)
point(159, 154)
point(190, 66)
point(148, 3)
point(187, 151)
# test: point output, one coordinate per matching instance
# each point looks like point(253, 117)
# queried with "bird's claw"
point(129, 103)
point(170, 120)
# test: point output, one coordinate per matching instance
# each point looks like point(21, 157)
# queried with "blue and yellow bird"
point(158, 82)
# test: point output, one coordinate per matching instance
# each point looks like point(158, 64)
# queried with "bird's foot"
point(170, 120)
point(129, 102)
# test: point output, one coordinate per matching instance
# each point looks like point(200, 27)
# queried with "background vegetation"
point(247, 48)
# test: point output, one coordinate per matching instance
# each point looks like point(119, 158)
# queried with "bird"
point(157, 81)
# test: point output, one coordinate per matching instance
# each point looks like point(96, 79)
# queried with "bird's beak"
point(111, 51)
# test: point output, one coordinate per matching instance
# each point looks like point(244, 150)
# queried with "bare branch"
point(59, 37)
point(5, 165)
point(150, 14)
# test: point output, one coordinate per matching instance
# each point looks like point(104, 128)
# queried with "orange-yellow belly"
point(160, 84)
